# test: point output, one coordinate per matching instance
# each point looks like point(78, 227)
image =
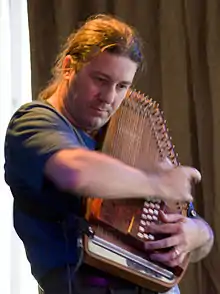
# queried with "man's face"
point(98, 89)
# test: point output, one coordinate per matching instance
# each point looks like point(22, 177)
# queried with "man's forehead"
point(113, 66)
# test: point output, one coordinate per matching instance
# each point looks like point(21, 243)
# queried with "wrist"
point(205, 232)
point(205, 246)
point(152, 186)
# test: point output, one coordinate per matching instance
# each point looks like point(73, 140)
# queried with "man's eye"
point(122, 86)
point(100, 79)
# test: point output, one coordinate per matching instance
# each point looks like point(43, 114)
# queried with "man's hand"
point(185, 235)
point(174, 183)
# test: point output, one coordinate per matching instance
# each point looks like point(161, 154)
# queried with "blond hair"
point(100, 32)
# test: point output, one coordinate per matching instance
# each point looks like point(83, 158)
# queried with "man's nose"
point(108, 96)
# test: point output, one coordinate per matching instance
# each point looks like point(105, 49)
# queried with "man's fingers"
point(171, 218)
point(163, 228)
point(187, 197)
point(163, 243)
point(166, 258)
point(193, 174)
point(166, 164)
point(161, 257)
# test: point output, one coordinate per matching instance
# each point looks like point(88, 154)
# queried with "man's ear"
point(68, 67)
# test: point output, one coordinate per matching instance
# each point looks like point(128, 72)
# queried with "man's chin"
point(97, 123)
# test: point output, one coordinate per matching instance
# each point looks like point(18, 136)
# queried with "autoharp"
point(138, 136)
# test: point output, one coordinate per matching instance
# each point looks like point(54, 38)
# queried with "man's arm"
point(207, 233)
point(98, 175)
point(41, 142)
point(204, 232)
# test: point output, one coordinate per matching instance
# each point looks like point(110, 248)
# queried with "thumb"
point(193, 174)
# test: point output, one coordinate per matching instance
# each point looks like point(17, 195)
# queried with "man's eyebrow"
point(109, 77)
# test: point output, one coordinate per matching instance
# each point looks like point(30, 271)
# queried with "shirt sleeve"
point(35, 133)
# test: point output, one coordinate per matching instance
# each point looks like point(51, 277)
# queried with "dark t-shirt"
point(35, 132)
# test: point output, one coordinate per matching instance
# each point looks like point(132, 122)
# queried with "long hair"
point(99, 33)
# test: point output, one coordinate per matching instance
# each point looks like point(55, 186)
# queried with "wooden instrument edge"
point(128, 274)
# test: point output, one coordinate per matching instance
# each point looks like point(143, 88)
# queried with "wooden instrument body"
point(137, 135)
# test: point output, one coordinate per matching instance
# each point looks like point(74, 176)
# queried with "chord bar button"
point(140, 235)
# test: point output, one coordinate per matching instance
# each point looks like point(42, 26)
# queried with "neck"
point(57, 101)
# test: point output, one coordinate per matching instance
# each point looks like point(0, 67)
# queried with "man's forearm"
point(206, 232)
point(96, 175)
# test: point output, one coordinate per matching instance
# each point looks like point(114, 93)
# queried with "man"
point(51, 164)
